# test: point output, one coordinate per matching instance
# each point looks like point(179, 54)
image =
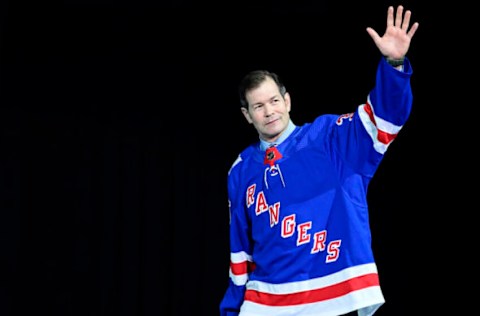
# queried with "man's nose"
point(268, 109)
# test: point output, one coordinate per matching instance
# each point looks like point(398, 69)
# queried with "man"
point(299, 228)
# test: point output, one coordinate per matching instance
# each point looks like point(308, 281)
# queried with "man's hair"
point(253, 80)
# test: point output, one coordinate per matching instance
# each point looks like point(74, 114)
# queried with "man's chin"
point(270, 137)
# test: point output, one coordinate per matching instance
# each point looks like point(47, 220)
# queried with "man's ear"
point(247, 115)
point(288, 101)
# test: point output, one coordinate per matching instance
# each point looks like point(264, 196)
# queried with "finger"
point(389, 16)
point(398, 18)
point(413, 29)
point(373, 34)
point(406, 20)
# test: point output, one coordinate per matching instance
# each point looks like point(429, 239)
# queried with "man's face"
point(268, 111)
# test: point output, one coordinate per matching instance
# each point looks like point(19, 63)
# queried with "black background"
point(119, 122)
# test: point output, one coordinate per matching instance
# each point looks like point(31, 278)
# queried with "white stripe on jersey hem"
point(366, 301)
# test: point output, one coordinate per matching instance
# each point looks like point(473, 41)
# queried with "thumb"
point(373, 34)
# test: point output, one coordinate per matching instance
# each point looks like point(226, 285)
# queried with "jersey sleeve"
point(241, 262)
point(361, 138)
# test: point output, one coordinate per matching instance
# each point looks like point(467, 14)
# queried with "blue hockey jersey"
point(300, 238)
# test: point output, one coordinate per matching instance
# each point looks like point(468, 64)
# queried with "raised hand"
point(395, 42)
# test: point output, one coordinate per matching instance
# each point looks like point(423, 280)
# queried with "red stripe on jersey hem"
point(311, 296)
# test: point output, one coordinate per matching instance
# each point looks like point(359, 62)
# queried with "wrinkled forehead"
point(264, 92)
